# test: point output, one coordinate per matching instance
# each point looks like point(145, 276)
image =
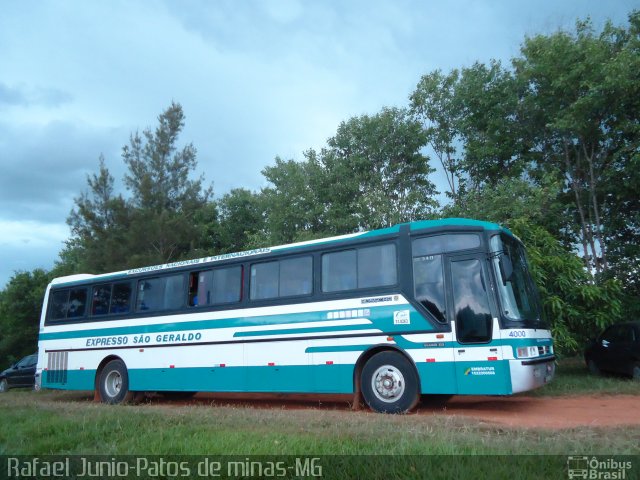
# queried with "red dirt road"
point(546, 412)
point(516, 412)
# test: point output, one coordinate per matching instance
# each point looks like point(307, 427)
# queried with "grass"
point(67, 423)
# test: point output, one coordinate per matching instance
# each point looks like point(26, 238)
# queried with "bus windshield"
point(518, 296)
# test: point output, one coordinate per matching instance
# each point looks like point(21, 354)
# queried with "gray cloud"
point(24, 97)
point(42, 168)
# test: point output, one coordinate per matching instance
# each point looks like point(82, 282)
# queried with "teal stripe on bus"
point(283, 331)
point(439, 377)
point(382, 315)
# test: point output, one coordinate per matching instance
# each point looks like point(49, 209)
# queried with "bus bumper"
point(531, 373)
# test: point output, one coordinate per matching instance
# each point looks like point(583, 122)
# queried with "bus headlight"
point(527, 352)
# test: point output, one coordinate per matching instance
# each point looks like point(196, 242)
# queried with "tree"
point(374, 174)
point(241, 220)
point(99, 225)
point(435, 104)
point(291, 202)
point(20, 309)
point(167, 216)
point(165, 199)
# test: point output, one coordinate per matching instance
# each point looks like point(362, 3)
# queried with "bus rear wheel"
point(114, 383)
point(389, 383)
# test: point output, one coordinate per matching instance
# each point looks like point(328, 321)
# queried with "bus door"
point(478, 359)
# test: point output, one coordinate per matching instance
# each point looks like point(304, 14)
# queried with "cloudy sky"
point(256, 79)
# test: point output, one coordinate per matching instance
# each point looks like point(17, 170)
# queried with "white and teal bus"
point(427, 307)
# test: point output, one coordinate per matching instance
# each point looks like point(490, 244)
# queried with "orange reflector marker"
point(172, 366)
point(223, 364)
point(440, 335)
point(271, 364)
point(492, 358)
point(142, 349)
point(390, 339)
point(329, 362)
point(81, 368)
point(431, 360)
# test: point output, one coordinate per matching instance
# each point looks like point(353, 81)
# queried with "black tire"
point(389, 383)
point(593, 367)
point(113, 383)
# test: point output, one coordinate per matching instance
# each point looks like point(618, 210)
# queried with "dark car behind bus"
point(616, 350)
point(20, 374)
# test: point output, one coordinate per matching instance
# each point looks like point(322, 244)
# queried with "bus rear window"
point(68, 304)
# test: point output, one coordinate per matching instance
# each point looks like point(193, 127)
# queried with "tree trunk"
point(596, 208)
point(583, 224)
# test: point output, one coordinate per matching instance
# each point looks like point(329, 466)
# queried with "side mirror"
point(506, 268)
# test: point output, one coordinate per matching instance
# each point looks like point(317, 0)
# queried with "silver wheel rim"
point(387, 383)
point(113, 383)
point(3, 386)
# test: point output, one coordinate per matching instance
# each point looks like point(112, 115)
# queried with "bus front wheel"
point(114, 383)
point(389, 383)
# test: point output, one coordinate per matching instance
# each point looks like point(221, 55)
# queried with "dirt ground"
point(546, 412)
point(517, 411)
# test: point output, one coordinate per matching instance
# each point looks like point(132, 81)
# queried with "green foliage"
point(20, 308)
point(165, 199)
point(168, 216)
point(100, 225)
point(435, 103)
point(241, 218)
point(370, 175)
point(375, 175)
point(291, 202)
point(577, 307)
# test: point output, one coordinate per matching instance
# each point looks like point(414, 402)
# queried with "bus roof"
point(413, 226)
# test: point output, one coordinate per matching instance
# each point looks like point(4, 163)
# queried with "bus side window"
point(59, 305)
point(149, 294)
point(471, 303)
point(101, 299)
point(199, 288)
point(173, 292)
point(227, 285)
point(264, 280)
point(339, 271)
point(121, 298)
point(296, 276)
point(377, 266)
point(428, 281)
point(77, 302)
